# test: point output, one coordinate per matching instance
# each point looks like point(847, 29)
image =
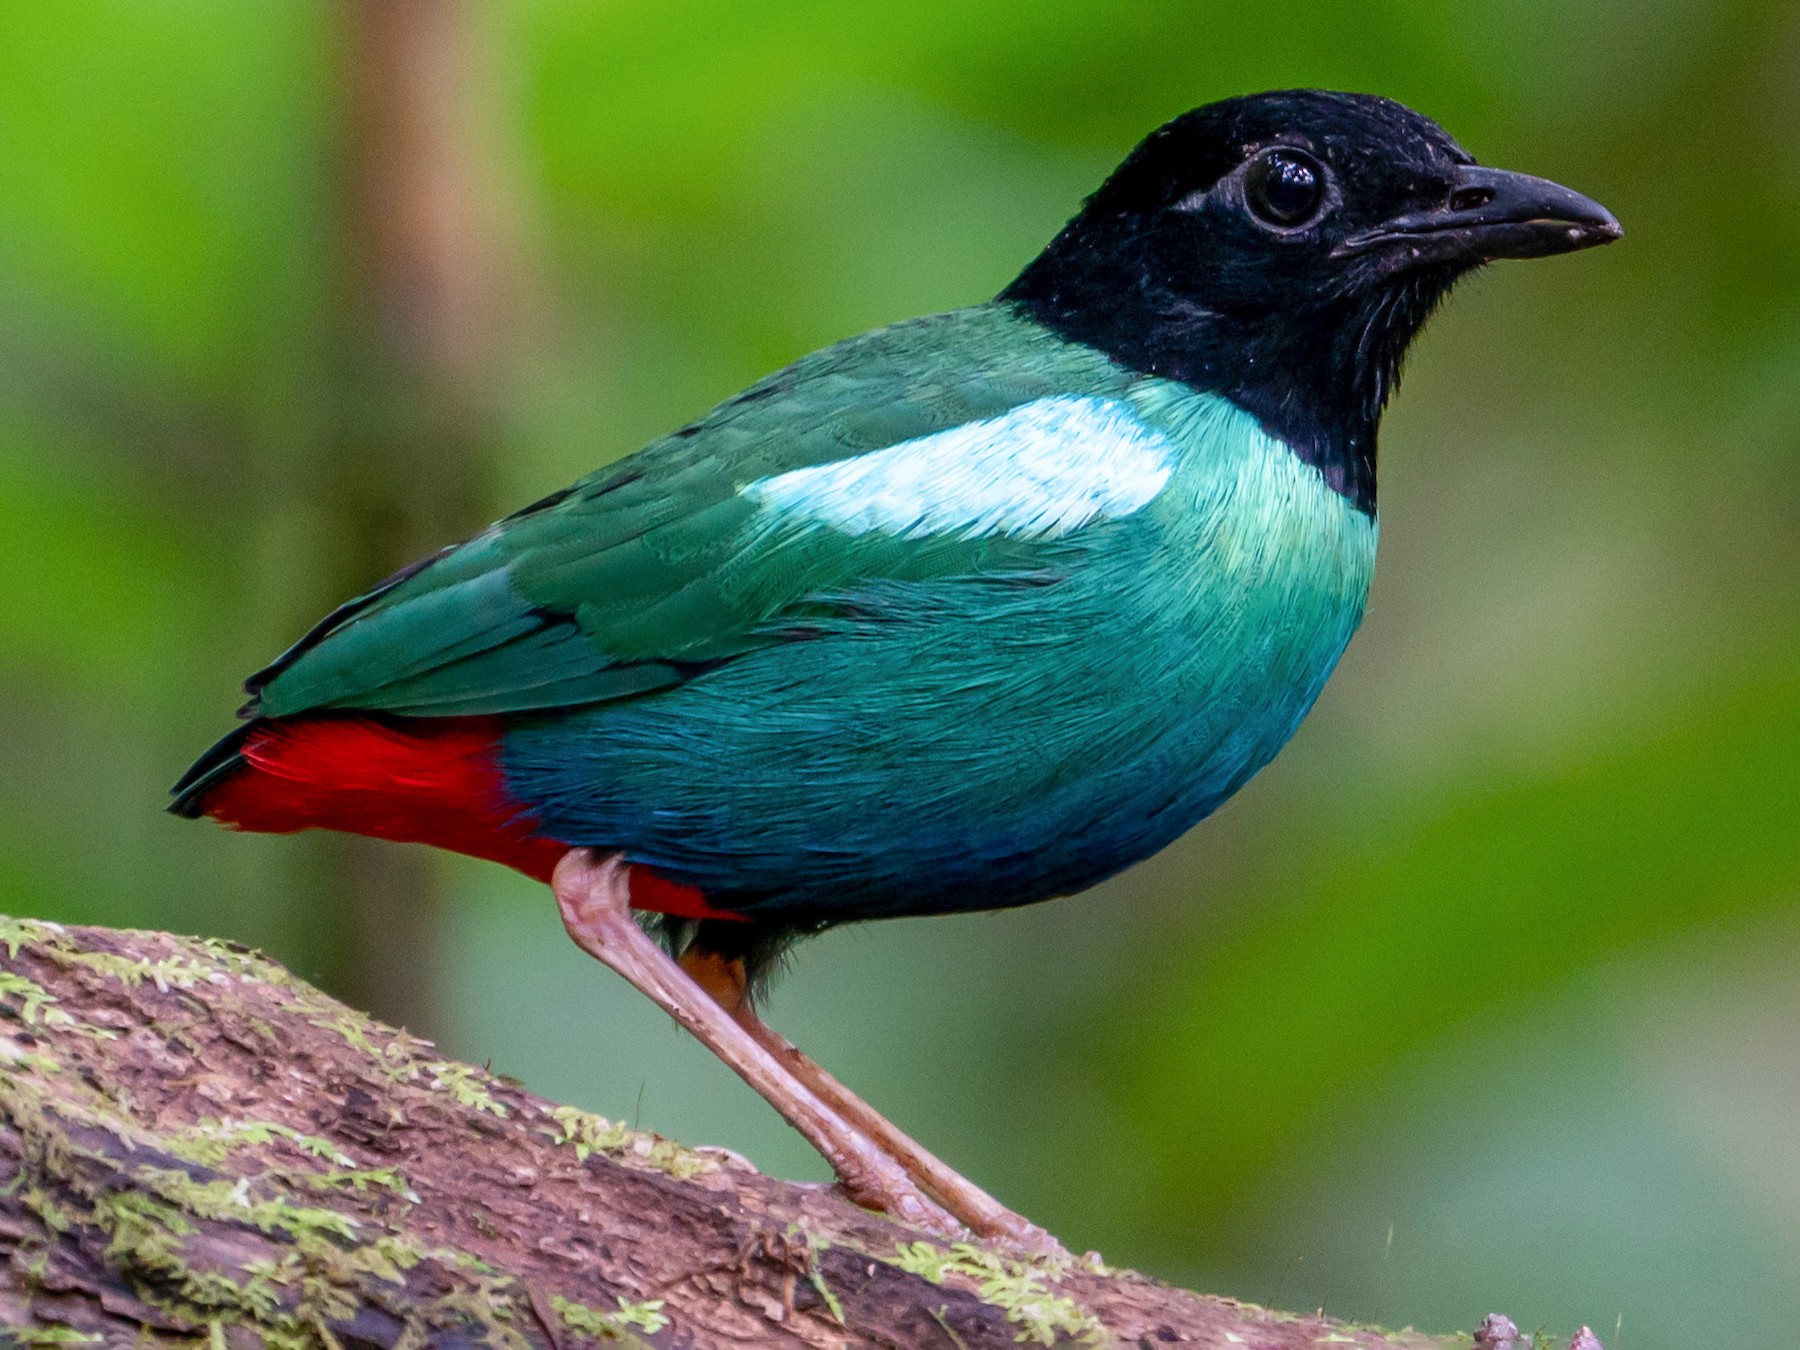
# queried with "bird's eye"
point(1284, 188)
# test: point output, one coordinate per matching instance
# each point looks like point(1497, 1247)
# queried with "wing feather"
point(657, 569)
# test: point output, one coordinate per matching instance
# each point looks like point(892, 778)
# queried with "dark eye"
point(1284, 188)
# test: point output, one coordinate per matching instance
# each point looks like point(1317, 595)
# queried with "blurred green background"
point(1486, 996)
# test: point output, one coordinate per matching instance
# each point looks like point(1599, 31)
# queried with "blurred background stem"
point(426, 291)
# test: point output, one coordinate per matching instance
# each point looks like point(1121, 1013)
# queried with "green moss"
point(465, 1083)
point(212, 1141)
point(15, 1056)
point(151, 1216)
point(141, 1224)
point(361, 1180)
point(388, 1257)
point(217, 959)
point(590, 1133)
point(248, 963)
point(166, 973)
point(262, 1291)
point(1021, 1289)
point(48, 1336)
point(315, 1282)
point(35, 1003)
point(354, 1030)
point(232, 1200)
point(17, 933)
point(816, 1277)
point(617, 1325)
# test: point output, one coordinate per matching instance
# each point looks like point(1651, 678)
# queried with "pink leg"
point(725, 981)
point(955, 1192)
point(594, 897)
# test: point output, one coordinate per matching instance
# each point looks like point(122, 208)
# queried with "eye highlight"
point(1284, 188)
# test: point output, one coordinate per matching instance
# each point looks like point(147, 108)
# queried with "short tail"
point(414, 780)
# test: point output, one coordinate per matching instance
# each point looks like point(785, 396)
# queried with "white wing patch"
point(1040, 470)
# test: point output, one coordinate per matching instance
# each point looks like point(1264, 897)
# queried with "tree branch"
point(195, 1146)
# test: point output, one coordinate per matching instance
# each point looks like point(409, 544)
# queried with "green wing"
point(647, 573)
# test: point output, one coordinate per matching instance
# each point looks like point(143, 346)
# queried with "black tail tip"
point(217, 764)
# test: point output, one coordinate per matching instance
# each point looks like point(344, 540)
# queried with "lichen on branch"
point(197, 1148)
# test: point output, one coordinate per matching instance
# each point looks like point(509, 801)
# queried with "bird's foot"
point(877, 1183)
point(723, 978)
point(593, 894)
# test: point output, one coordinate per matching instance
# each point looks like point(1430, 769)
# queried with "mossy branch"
point(197, 1148)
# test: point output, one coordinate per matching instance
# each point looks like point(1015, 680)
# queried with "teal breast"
point(994, 738)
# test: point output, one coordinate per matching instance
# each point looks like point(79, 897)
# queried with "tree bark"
point(198, 1148)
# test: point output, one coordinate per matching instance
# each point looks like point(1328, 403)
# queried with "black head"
point(1283, 249)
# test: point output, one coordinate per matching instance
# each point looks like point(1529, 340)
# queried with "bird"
point(963, 613)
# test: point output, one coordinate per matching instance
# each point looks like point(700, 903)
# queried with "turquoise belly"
point(983, 742)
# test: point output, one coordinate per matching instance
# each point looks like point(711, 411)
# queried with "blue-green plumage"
point(962, 613)
point(994, 734)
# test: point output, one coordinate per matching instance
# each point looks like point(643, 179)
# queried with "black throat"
point(1317, 381)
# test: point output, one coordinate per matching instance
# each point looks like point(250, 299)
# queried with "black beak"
point(1491, 214)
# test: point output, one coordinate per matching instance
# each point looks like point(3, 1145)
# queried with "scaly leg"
point(724, 980)
point(594, 896)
